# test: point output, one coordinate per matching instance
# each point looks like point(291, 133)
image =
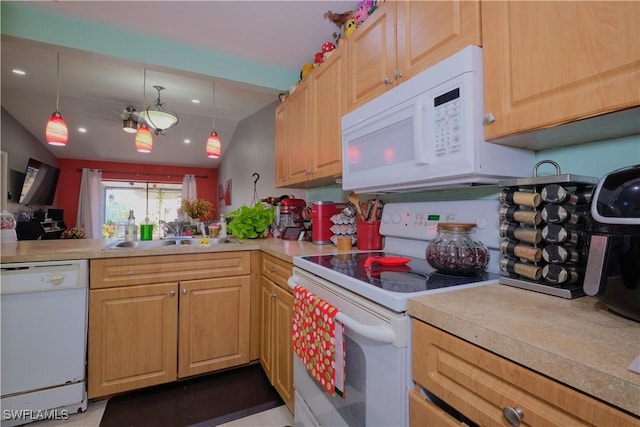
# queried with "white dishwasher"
point(44, 340)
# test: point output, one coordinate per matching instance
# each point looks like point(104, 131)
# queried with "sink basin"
point(171, 242)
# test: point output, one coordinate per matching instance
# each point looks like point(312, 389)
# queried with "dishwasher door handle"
point(381, 334)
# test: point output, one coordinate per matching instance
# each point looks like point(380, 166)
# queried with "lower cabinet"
point(276, 353)
point(143, 334)
point(490, 390)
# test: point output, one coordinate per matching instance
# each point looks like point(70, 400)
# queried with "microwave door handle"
point(381, 334)
point(419, 147)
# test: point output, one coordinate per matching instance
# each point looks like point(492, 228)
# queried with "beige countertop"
point(577, 342)
point(64, 249)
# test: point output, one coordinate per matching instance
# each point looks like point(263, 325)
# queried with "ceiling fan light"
point(144, 140)
point(56, 132)
point(129, 125)
point(213, 146)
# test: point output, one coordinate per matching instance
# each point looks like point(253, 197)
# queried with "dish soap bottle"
point(131, 230)
point(223, 226)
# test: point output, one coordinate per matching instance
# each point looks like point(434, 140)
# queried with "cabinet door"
point(132, 338)
point(430, 31)
point(371, 56)
point(266, 330)
point(300, 136)
point(329, 104)
point(283, 360)
point(281, 133)
point(214, 324)
point(549, 63)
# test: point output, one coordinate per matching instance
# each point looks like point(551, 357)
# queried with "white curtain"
point(189, 187)
point(89, 203)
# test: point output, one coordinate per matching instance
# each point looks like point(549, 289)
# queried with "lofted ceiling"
point(250, 52)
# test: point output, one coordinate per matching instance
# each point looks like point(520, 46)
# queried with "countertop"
point(577, 342)
point(64, 249)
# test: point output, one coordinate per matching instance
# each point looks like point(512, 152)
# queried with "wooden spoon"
point(353, 198)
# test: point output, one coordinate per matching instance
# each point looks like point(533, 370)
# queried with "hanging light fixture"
point(56, 132)
point(213, 143)
point(157, 117)
point(129, 123)
point(144, 140)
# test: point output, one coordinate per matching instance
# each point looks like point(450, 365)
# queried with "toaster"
point(613, 236)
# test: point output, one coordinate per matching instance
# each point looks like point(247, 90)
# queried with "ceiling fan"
point(130, 119)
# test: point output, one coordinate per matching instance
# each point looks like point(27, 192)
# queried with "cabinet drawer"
point(480, 384)
point(277, 270)
point(424, 413)
point(111, 272)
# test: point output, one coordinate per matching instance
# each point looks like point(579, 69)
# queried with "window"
point(160, 201)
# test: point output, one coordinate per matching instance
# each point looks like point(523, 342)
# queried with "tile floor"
point(276, 417)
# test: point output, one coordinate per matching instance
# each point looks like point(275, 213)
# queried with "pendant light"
point(144, 140)
point(213, 143)
point(157, 117)
point(56, 132)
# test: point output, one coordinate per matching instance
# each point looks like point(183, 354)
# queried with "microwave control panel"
point(448, 130)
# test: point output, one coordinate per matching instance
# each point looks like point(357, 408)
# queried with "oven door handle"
point(381, 334)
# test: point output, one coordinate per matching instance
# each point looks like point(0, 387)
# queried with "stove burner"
point(415, 276)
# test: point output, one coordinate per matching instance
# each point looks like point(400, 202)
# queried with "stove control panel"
point(419, 220)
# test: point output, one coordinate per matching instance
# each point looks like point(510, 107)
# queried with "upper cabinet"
point(308, 127)
point(402, 38)
point(550, 63)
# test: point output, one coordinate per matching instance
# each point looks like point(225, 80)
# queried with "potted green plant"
point(251, 222)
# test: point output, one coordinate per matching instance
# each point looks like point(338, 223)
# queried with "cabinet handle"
point(387, 81)
point(513, 415)
point(489, 118)
point(172, 293)
point(273, 295)
point(184, 291)
point(397, 74)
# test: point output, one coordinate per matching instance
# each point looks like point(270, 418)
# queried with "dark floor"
point(199, 402)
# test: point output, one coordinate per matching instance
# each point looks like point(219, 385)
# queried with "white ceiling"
point(95, 89)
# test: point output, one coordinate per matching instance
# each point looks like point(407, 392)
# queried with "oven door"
point(377, 373)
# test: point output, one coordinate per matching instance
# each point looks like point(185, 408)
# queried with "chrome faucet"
point(166, 227)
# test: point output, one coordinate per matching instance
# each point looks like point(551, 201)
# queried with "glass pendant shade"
point(144, 140)
point(157, 117)
point(213, 146)
point(56, 132)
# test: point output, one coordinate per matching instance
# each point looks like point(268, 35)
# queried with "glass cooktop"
point(415, 276)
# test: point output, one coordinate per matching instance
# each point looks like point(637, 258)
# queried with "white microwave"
point(427, 132)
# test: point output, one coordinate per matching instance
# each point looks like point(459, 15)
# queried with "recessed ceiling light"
point(82, 130)
point(195, 101)
point(19, 72)
point(187, 141)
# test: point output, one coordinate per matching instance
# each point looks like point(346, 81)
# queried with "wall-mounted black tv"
point(40, 182)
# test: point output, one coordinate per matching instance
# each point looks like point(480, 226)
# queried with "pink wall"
point(69, 181)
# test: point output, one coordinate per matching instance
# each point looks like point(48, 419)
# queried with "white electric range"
point(372, 304)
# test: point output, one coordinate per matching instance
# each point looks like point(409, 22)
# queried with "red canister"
point(321, 214)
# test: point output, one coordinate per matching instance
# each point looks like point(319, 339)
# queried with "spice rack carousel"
point(542, 227)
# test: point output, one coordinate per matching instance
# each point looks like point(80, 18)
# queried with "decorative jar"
point(454, 250)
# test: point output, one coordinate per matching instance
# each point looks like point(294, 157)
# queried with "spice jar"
point(454, 251)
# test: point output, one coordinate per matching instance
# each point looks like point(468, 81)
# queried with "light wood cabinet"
point(481, 385)
point(276, 353)
point(308, 127)
point(194, 319)
point(401, 39)
point(550, 63)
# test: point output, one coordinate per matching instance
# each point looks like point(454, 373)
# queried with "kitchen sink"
point(171, 242)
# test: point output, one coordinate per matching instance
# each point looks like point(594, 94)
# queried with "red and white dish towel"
point(318, 340)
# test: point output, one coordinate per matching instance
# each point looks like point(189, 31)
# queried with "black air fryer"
point(613, 233)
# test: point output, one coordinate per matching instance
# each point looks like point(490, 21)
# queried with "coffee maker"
point(613, 234)
point(292, 218)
